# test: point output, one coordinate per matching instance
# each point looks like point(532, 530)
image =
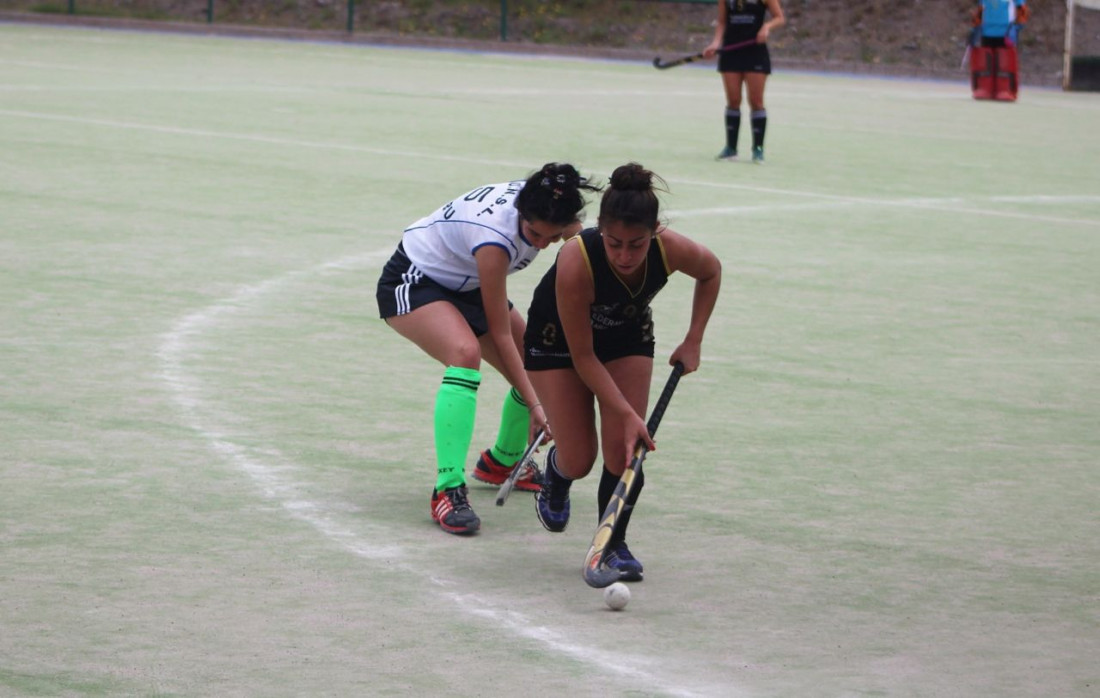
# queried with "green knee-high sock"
point(514, 422)
point(455, 407)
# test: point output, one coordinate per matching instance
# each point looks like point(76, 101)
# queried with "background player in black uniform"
point(589, 340)
point(740, 21)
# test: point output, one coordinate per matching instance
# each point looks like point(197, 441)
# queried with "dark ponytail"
point(554, 194)
point(631, 197)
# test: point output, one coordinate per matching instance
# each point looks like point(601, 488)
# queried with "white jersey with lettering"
point(442, 244)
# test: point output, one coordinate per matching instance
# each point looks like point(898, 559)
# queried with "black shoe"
point(452, 511)
point(552, 501)
point(619, 558)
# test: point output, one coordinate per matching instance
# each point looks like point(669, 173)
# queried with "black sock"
point(733, 126)
point(608, 483)
point(560, 483)
point(759, 124)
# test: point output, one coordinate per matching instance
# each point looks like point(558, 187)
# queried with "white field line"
point(277, 478)
point(336, 88)
point(353, 53)
point(931, 204)
point(940, 204)
point(56, 66)
point(147, 89)
point(251, 137)
point(928, 203)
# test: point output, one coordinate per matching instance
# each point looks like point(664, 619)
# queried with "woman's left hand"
point(689, 355)
point(539, 423)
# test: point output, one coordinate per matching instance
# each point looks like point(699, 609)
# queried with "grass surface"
point(217, 460)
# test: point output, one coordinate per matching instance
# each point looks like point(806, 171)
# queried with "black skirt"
point(751, 59)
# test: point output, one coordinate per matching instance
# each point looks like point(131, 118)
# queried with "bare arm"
point(698, 262)
point(777, 20)
point(492, 270)
point(719, 30)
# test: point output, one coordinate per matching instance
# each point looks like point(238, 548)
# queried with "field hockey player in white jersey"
point(445, 290)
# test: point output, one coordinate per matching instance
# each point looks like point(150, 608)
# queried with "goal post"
point(1081, 62)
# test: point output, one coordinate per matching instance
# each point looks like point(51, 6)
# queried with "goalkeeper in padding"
point(994, 61)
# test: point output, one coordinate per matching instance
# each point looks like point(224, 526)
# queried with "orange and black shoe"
point(492, 472)
point(452, 511)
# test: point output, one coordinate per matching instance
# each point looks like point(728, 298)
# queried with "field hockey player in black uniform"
point(739, 23)
point(589, 342)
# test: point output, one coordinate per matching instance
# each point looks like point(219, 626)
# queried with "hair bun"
point(631, 177)
point(554, 193)
point(560, 177)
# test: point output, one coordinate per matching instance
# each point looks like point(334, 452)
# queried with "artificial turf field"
point(215, 460)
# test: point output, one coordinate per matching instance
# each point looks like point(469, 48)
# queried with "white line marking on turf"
point(275, 477)
point(628, 666)
point(927, 203)
point(936, 204)
point(252, 137)
point(146, 89)
point(1048, 199)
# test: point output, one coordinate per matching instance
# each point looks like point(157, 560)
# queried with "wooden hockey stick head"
point(595, 573)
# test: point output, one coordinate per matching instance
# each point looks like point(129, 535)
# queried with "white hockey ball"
point(616, 596)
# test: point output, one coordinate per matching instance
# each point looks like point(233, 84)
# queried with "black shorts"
point(403, 288)
point(751, 59)
point(544, 347)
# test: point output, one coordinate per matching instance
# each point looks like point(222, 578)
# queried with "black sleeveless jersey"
point(743, 20)
point(618, 311)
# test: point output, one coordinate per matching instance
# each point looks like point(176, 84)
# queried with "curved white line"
point(275, 476)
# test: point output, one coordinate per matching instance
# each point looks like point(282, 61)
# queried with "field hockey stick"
point(973, 39)
point(507, 485)
point(595, 574)
point(665, 65)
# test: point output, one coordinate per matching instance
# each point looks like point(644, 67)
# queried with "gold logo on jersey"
point(549, 334)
